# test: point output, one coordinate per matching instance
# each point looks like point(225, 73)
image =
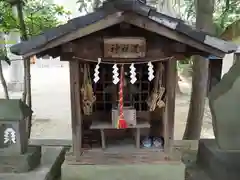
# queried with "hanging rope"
point(155, 98)
point(137, 62)
point(122, 124)
point(87, 93)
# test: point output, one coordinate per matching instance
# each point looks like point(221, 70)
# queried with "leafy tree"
point(3, 57)
point(88, 6)
point(39, 15)
point(226, 12)
point(204, 22)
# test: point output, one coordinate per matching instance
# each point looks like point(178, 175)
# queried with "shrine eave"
point(40, 43)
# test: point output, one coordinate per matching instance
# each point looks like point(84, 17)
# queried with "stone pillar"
point(224, 102)
point(16, 68)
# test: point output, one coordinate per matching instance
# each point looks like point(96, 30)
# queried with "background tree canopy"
point(39, 15)
point(226, 11)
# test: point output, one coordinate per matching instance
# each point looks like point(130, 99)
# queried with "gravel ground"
point(51, 104)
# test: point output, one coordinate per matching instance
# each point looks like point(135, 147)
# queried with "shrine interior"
point(135, 96)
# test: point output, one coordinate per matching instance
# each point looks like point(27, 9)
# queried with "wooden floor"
point(113, 156)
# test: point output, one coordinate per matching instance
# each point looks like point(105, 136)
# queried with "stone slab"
point(50, 168)
point(217, 163)
point(18, 163)
point(224, 102)
point(162, 171)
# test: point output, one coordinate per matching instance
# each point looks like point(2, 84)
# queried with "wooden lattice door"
point(105, 90)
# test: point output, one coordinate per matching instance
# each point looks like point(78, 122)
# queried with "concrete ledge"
point(185, 144)
point(217, 163)
point(126, 172)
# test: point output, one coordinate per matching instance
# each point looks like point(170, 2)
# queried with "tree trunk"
point(4, 84)
point(2, 53)
point(204, 22)
point(96, 4)
point(178, 90)
point(27, 96)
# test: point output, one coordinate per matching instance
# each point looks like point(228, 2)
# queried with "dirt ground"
point(51, 104)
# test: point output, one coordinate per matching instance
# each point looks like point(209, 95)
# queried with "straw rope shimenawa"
point(113, 62)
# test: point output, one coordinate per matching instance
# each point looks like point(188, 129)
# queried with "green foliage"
point(226, 12)
point(7, 21)
point(39, 15)
point(88, 6)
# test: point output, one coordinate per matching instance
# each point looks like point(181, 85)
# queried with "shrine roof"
point(39, 43)
point(13, 110)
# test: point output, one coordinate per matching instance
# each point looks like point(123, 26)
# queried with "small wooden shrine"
point(122, 62)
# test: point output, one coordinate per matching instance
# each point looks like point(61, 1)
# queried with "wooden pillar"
point(75, 82)
point(169, 113)
point(165, 129)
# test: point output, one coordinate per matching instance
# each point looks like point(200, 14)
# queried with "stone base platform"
point(49, 168)
point(138, 165)
point(126, 172)
point(218, 164)
point(20, 163)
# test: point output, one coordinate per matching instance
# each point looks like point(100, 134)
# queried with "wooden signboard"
point(125, 47)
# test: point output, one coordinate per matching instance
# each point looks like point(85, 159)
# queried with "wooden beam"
point(145, 23)
point(110, 20)
point(170, 97)
point(165, 129)
point(77, 84)
point(73, 108)
point(68, 47)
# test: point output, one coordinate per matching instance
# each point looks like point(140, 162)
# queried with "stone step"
point(124, 172)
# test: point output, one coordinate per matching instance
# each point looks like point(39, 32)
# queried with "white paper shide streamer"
point(96, 71)
point(133, 78)
point(9, 136)
point(150, 71)
point(115, 74)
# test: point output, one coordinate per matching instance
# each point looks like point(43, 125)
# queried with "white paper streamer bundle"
point(96, 71)
point(150, 71)
point(115, 74)
point(132, 74)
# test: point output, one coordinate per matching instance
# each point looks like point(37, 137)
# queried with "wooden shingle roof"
point(36, 44)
